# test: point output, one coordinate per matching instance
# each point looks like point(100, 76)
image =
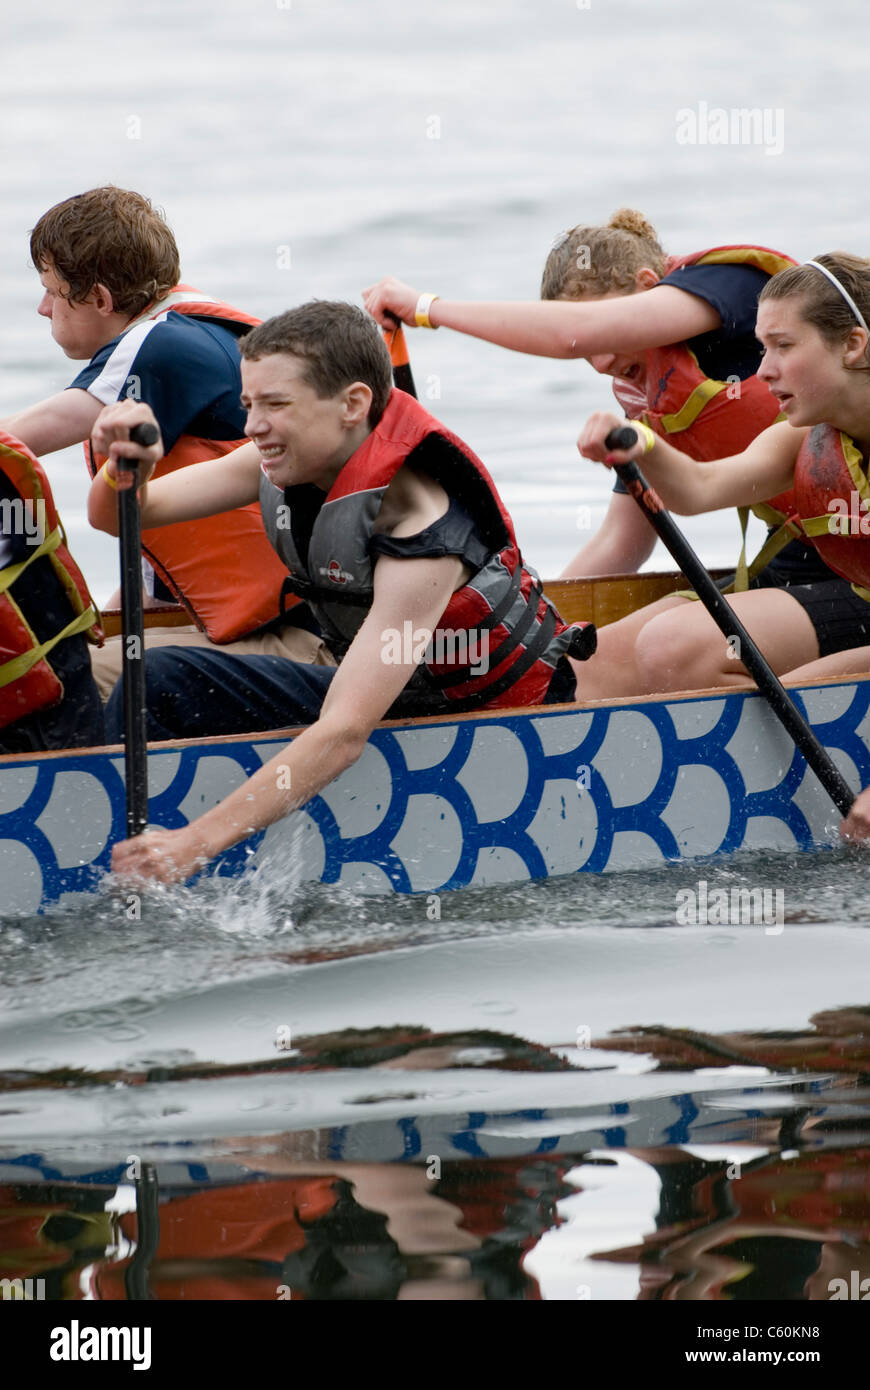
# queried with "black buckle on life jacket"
point(584, 641)
point(300, 588)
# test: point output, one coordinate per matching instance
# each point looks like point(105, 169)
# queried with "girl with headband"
point(813, 325)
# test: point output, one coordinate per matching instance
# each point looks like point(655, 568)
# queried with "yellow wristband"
point(646, 434)
point(421, 313)
point(104, 473)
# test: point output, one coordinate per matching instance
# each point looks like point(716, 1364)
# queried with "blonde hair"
point(588, 262)
point(821, 304)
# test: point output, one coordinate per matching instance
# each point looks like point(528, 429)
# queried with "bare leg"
point(686, 651)
point(854, 662)
point(612, 671)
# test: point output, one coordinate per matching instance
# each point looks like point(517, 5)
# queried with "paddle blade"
point(403, 377)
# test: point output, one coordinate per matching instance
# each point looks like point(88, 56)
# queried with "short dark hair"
point(108, 236)
point(338, 343)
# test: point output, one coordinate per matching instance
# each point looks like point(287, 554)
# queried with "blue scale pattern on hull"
point(440, 806)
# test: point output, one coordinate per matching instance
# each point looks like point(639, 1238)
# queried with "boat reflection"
point(714, 1180)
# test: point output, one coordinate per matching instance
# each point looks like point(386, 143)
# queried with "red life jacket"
point(27, 681)
point(830, 485)
point(707, 419)
point(501, 614)
point(222, 567)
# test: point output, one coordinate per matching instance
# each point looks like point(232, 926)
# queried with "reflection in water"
point(697, 1227)
point(773, 1228)
point(748, 1179)
point(840, 1042)
point(324, 1231)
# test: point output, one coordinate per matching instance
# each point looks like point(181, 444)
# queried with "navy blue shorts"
point(193, 692)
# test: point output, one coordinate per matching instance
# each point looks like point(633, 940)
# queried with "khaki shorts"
point(295, 643)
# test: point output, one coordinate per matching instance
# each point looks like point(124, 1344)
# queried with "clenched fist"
point(391, 296)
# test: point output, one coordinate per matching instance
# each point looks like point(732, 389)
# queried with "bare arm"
point(620, 546)
point(360, 694)
point(689, 487)
point(556, 328)
point(201, 489)
point(55, 423)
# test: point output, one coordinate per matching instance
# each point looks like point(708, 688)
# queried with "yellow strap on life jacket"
point(855, 464)
point(786, 532)
point(821, 526)
point(692, 406)
point(751, 255)
point(19, 665)
point(11, 573)
point(52, 542)
point(777, 540)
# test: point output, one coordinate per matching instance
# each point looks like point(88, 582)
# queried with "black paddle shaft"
point(730, 625)
point(136, 1283)
point(133, 643)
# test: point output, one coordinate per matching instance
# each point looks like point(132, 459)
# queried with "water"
point(552, 1091)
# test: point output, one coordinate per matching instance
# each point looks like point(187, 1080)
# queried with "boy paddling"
point(355, 481)
point(109, 268)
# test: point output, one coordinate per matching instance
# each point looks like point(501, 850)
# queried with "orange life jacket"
point(222, 568)
point(27, 681)
point(832, 495)
point(706, 418)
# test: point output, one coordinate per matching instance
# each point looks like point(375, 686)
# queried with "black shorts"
point(840, 618)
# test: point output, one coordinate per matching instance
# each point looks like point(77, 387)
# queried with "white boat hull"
point(440, 804)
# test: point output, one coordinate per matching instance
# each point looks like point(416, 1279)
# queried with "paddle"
point(403, 377)
point(147, 1224)
point(729, 624)
point(133, 643)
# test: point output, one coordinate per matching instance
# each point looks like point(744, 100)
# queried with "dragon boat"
point(442, 803)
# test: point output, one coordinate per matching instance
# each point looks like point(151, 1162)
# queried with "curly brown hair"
point(588, 262)
point(108, 236)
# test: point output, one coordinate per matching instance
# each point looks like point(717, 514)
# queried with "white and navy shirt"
point(186, 369)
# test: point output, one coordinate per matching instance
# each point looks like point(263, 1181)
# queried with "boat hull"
point(441, 804)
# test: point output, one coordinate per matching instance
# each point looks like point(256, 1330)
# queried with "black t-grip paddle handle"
point(623, 438)
point(145, 434)
point(729, 624)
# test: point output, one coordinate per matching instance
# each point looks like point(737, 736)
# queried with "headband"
point(845, 293)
